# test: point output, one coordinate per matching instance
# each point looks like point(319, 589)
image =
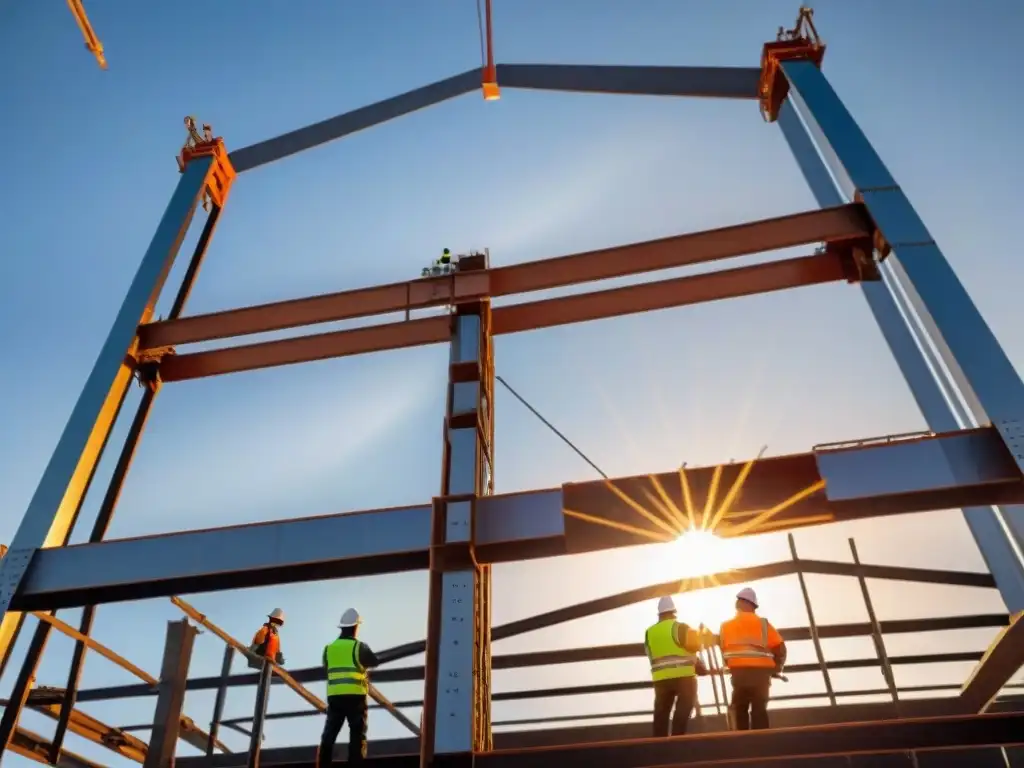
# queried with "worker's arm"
point(777, 646)
point(367, 658)
point(686, 637)
point(325, 658)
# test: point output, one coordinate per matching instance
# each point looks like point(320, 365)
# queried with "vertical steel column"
point(222, 695)
point(109, 504)
point(173, 678)
point(812, 623)
point(259, 715)
point(457, 701)
point(51, 511)
point(939, 407)
point(952, 324)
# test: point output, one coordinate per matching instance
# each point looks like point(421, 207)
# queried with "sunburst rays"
point(667, 522)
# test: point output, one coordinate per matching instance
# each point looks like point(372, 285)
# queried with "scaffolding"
point(865, 233)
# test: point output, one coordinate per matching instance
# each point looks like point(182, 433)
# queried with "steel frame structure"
point(967, 389)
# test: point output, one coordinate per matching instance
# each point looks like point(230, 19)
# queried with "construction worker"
point(266, 643)
point(346, 661)
point(672, 649)
point(446, 257)
point(754, 652)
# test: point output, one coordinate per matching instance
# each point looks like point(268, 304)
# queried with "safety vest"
point(668, 660)
point(267, 642)
point(744, 641)
point(445, 258)
point(345, 675)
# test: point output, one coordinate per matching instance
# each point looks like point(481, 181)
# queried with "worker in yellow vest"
point(346, 661)
point(672, 649)
point(754, 652)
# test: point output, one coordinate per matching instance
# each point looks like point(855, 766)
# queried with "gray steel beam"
point(937, 402)
point(939, 471)
point(711, 82)
point(51, 511)
point(360, 119)
point(171, 697)
point(707, 82)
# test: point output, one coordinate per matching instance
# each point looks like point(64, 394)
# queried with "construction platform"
point(865, 233)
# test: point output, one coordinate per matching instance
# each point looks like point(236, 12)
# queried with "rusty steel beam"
point(646, 297)
point(305, 349)
point(34, 747)
point(664, 294)
point(91, 729)
point(1003, 659)
point(843, 223)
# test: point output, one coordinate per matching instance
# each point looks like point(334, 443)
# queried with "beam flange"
point(1003, 659)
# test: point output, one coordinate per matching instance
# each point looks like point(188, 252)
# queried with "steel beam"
point(528, 316)
point(117, 740)
point(525, 525)
point(712, 82)
point(983, 375)
point(50, 513)
point(34, 747)
point(300, 140)
point(840, 224)
point(1001, 661)
point(171, 697)
point(936, 401)
point(846, 739)
point(402, 751)
point(706, 82)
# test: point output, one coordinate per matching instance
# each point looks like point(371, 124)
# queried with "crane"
point(92, 43)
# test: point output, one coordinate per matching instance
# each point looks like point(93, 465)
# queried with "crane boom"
point(92, 43)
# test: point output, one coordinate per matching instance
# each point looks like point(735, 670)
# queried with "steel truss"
point(870, 235)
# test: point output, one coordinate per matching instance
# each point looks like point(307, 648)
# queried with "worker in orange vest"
point(754, 652)
point(266, 643)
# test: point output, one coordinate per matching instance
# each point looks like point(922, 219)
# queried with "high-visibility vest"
point(744, 641)
point(267, 642)
point(668, 659)
point(345, 675)
point(445, 258)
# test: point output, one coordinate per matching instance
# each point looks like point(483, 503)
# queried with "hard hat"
point(350, 618)
point(447, 251)
point(666, 605)
point(276, 615)
point(749, 595)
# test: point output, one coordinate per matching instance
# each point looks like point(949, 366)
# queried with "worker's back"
point(747, 641)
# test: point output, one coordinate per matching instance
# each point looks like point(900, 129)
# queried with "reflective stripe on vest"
point(750, 648)
point(668, 660)
point(345, 675)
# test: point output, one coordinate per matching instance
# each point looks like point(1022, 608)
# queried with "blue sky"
point(89, 169)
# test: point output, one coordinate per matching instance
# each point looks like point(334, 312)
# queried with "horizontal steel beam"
point(895, 735)
point(964, 467)
point(528, 316)
point(708, 82)
point(1003, 659)
point(399, 753)
point(843, 223)
point(88, 727)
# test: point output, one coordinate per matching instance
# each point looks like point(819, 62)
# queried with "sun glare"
point(701, 553)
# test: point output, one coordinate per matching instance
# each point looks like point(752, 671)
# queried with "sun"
point(700, 553)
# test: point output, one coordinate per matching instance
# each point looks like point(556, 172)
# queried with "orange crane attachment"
point(490, 79)
point(92, 43)
point(205, 144)
point(800, 42)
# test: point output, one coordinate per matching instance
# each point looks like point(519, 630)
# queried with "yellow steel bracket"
point(222, 173)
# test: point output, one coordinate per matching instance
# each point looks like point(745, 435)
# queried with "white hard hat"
point(350, 618)
point(666, 605)
point(749, 595)
point(277, 615)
